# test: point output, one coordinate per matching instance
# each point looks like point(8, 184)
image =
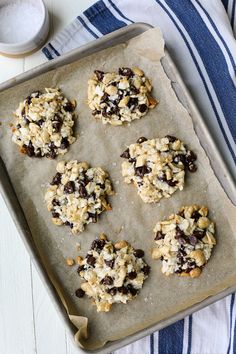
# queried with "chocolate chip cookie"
point(185, 241)
point(120, 97)
point(157, 167)
point(44, 124)
point(112, 273)
point(78, 194)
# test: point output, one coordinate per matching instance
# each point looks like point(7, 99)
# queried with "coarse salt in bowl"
point(24, 26)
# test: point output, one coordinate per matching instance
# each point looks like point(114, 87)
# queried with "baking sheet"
point(130, 218)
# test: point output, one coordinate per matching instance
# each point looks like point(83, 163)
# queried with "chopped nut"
point(103, 237)
point(203, 222)
point(156, 253)
point(199, 257)
point(79, 260)
point(124, 101)
point(138, 71)
point(111, 90)
point(70, 261)
point(121, 244)
point(194, 273)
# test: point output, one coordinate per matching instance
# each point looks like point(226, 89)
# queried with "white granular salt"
point(19, 21)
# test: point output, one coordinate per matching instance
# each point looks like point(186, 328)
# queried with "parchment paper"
point(100, 145)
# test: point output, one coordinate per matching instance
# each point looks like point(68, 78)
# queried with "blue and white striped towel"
point(200, 38)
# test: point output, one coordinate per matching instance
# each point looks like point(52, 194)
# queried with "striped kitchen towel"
point(199, 35)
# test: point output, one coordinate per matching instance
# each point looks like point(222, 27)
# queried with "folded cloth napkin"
point(199, 35)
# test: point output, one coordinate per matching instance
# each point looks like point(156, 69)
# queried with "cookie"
point(78, 194)
point(185, 241)
point(112, 273)
point(157, 167)
point(44, 124)
point(119, 98)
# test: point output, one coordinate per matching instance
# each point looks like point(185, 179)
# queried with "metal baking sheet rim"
point(15, 209)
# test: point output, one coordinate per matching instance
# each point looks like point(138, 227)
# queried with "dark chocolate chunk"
point(179, 158)
point(56, 126)
point(95, 112)
point(123, 290)
point(126, 72)
point(142, 170)
point(55, 214)
point(125, 154)
point(159, 236)
point(68, 107)
point(112, 291)
point(99, 74)
point(29, 149)
point(133, 102)
point(18, 126)
point(104, 98)
point(192, 167)
point(64, 143)
point(83, 191)
point(146, 269)
point(55, 202)
point(94, 217)
point(133, 90)
point(139, 253)
point(132, 275)
point(195, 215)
point(80, 268)
point(141, 140)
point(193, 240)
point(107, 280)
point(56, 179)
point(40, 122)
point(142, 108)
point(132, 290)
point(171, 138)
point(179, 232)
point(171, 182)
point(69, 187)
point(91, 260)
point(79, 292)
point(110, 263)
point(199, 233)
point(97, 245)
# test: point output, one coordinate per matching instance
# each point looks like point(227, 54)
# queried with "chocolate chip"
point(99, 74)
point(141, 140)
point(107, 280)
point(171, 182)
point(64, 143)
point(79, 292)
point(146, 269)
point(190, 156)
point(51, 154)
point(132, 290)
point(139, 253)
point(142, 108)
point(199, 233)
point(95, 112)
point(97, 245)
point(94, 217)
point(195, 215)
point(55, 202)
point(159, 236)
point(91, 260)
point(80, 268)
point(132, 159)
point(112, 291)
point(181, 240)
point(29, 149)
point(18, 126)
point(162, 177)
point(57, 126)
point(179, 232)
point(83, 191)
point(55, 214)
point(40, 122)
point(193, 240)
point(69, 187)
point(123, 290)
point(133, 90)
point(133, 102)
point(142, 170)
point(126, 72)
point(70, 224)
point(68, 107)
point(125, 154)
point(56, 179)
point(104, 98)
point(132, 275)
point(179, 158)
point(171, 138)
point(192, 167)
point(110, 263)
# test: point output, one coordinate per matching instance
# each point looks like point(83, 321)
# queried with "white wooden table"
point(28, 321)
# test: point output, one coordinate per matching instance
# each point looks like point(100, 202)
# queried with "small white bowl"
point(24, 26)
